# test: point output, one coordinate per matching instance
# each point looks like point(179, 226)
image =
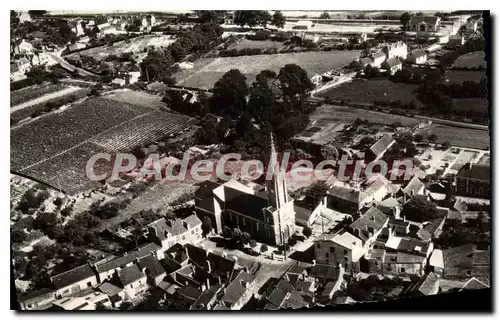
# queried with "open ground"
point(207, 71)
point(471, 60)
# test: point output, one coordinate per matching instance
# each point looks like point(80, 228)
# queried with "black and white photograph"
point(250, 160)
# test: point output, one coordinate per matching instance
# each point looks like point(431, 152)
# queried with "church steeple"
point(276, 186)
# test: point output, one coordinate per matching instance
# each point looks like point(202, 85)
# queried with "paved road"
point(44, 98)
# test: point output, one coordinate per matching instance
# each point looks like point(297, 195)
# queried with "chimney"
point(165, 232)
point(209, 266)
point(143, 270)
point(314, 262)
point(208, 282)
point(203, 288)
point(220, 282)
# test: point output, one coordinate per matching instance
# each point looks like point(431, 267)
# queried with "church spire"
point(276, 186)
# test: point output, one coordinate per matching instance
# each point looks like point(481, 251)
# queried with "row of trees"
point(253, 18)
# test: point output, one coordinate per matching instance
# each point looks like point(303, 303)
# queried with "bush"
point(307, 231)
point(252, 243)
point(263, 248)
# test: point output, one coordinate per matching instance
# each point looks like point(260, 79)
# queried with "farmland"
point(368, 91)
point(459, 76)
point(137, 98)
point(471, 60)
point(54, 149)
point(254, 44)
point(134, 45)
point(467, 138)
point(207, 71)
point(29, 93)
point(329, 113)
point(477, 105)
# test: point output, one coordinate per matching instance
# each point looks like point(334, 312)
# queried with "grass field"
point(479, 105)
point(134, 45)
point(329, 113)
point(368, 91)
point(33, 92)
point(460, 137)
point(459, 76)
point(251, 44)
point(137, 98)
point(471, 60)
point(207, 71)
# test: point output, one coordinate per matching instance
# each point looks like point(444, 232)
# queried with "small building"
point(24, 47)
point(391, 207)
point(77, 46)
point(346, 200)
point(367, 61)
point(229, 17)
point(383, 144)
point(424, 23)
point(397, 49)
point(207, 299)
point(74, 281)
point(417, 57)
point(378, 58)
point(114, 293)
point(239, 291)
point(436, 261)
point(303, 25)
point(37, 300)
point(133, 280)
point(153, 269)
point(471, 26)
point(317, 79)
point(167, 232)
point(457, 40)
point(392, 65)
point(466, 261)
point(427, 285)
point(473, 180)
point(474, 284)
point(413, 188)
point(431, 230)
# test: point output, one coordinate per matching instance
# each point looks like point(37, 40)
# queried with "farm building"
point(378, 58)
point(392, 65)
point(396, 50)
point(473, 180)
point(417, 56)
point(424, 23)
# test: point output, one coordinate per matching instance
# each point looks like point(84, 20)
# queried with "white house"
point(392, 65)
point(167, 233)
point(378, 58)
point(424, 23)
point(133, 281)
point(317, 79)
point(396, 50)
point(74, 280)
point(418, 56)
point(76, 46)
point(24, 47)
point(471, 26)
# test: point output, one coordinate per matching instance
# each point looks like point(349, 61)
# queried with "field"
point(137, 98)
point(471, 60)
point(460, 137)
point(251, 44)
point(54, 149)
point(207, 71)
point(479, 105)
point(33, 92)
point(329, 113)
point(459, 76)
point(134, 45)
point(368, 91)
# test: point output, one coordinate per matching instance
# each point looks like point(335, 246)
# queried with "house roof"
point(475, 171)
point(379, 147)
point(414, 186)
point(36, 295)
point(428, 284)
point(412, 245)
point(460, 206)
point(459, 256)
point(474, 284)
point(378, 54)
point(390, 203)
point(190, 291)
point(152, 265)
point(128, 257)
point(366, 60)
point(205, 298)
point(323, 271)
point(235, 290)
point(418, 53)
point(109, 289)
point(372, 220)
point(429, 231)
point(392, 62)
point(347, 240)
point(415, 20)
point(130, 274)
point(346, 194)
point(72, 276)
point(398, 222)
point(344, 300)
point(403, 257)
point(174, 227)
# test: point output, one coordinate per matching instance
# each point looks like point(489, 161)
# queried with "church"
point(267, 214)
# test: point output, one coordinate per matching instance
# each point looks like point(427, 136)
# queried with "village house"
point(457, 40)
point(413, 188)
point(74, 281)
point(417, 57)
point(317, 79)
point(268, 215)
point(229, 17)
point(391, 207)
point(473, 180)
point(431, 230)
point(466, 261)
point(24, 16)
point(133, 280)
point(239, 291)
point(427, 285)
point(346, 200)
point(24, 47)
point(77, 46)
point(396, 50)
point(207, 299)
point(303, 25)
point(424, 23)
point(153, 269)
point(471, 26)
point(383, 144)
point(37, 300)
point(474, 284)
point(378, 58)
point(392, 65)
point(281, 294)
point(366, 61)
point(115, 294)
point(169, 232)
point(89, 301)
point(77, 28)
point(436, 262)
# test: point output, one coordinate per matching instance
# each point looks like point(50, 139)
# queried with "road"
point(66, 65)
point(44, 98)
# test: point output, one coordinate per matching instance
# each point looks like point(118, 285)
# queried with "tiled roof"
point(436, 259)
point(152, 265)
point(474, 284)
point(379, 147)
point(109, 289)
point(418, 53)
point(128, 257)
point(236, 289)
point(130, 274)
point(475, 171)
point(428, 284)
point(373, 219)
point(40, 294)
point(205, 298)
point(414, 186)
point(378, 54)
point(392, 62)
point(323, 271)
point(346, 194)
point(415, 20)
point(72, 276)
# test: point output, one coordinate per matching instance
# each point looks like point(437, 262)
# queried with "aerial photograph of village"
point(248, 159)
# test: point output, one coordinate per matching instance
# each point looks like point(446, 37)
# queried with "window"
point(332, 249)
point(131, 286)
point(469, 273)
point(402, 270)
point(388, 264)
point(318, 245)
point(89, 284)
point(345, 251)
point(327, 255)
point(346, 259)
point(345, 266)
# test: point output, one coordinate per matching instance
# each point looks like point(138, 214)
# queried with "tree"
point(324, 15)
point(432, 138)
point(307, 231)
point(263, 248)
point(418, 138)
point(208, 16)
point(17, 235)
point(316, 192)
point(229, 94)
point(156, 65)
point(278, 19)
point(294, 82)
point(206, 225)
point(251, 18)
point(405, 19)
point(252, 243)
point(419, 209)
point(207, 133)
point(446, 145)
point(262, 100)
